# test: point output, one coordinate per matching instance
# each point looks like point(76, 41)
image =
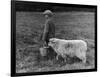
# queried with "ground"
point(69, 25)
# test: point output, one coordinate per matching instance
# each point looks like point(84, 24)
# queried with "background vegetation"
point(69, 25)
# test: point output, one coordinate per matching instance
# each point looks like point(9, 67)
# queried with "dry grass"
point(69, 25)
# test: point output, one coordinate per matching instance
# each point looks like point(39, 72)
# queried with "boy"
point(49, 27)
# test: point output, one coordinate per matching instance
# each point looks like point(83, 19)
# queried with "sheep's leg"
point(64, 57)
point(57, 57)
point(83, 55)
point(83, 59)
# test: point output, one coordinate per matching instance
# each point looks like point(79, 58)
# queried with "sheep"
point(71, 48)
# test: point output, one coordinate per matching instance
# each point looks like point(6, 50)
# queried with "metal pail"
point(43, 51)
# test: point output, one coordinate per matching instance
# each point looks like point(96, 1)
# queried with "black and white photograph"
point(53, 37)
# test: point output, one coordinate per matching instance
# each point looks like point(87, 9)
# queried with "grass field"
point(69, 25)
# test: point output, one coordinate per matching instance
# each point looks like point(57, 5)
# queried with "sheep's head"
point(53, 42)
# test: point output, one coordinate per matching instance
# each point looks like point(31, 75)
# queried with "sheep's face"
point(52, 42)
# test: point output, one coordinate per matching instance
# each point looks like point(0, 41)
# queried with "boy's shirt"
point(49, 30)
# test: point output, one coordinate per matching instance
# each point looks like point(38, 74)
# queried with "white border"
point(5, 19)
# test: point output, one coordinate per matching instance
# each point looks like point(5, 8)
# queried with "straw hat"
point(48, 12)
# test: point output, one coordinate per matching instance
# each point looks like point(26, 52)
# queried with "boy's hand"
point(45, 44)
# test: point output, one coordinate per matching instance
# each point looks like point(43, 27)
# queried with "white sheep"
point(72, 48)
